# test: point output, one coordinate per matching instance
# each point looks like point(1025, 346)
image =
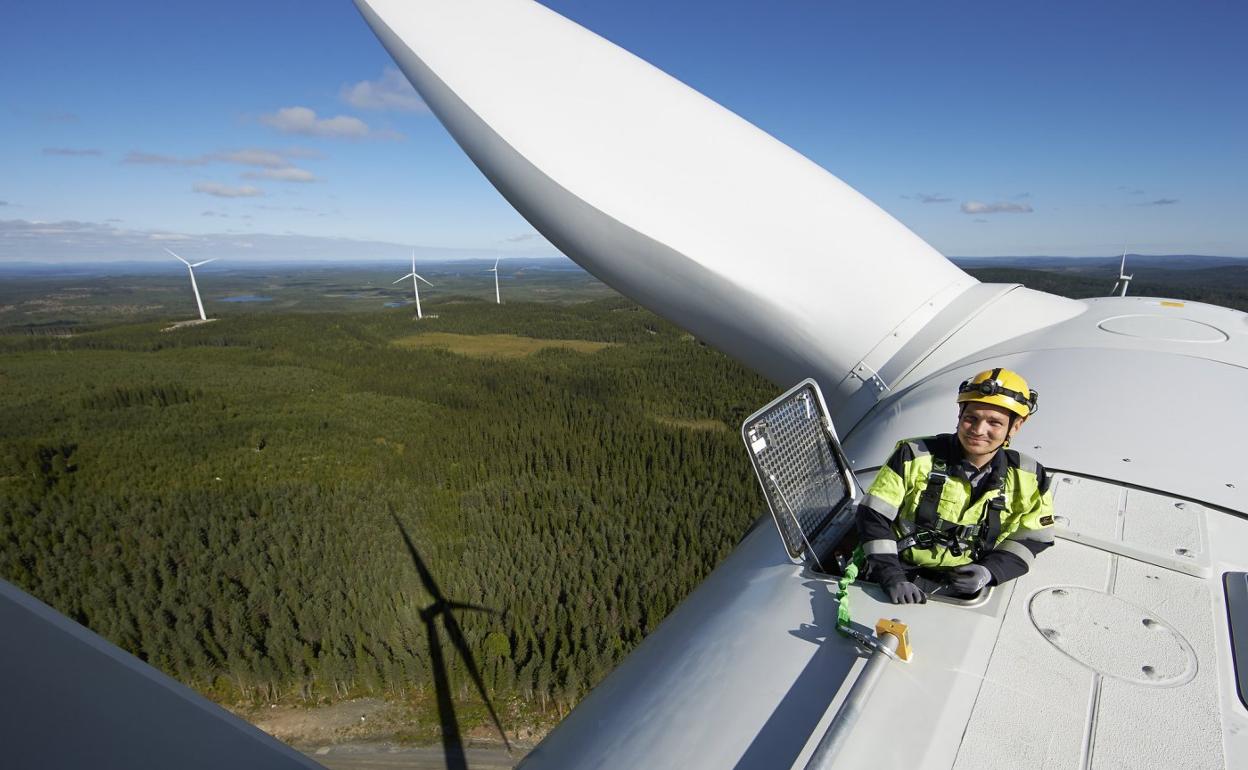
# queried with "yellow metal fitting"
point(899, 630)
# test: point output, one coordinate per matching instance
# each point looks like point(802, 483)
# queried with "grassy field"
point(495, 345)
point(684, 424)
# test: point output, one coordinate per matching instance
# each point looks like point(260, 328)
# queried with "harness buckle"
point(924, 539)
point(961, 538)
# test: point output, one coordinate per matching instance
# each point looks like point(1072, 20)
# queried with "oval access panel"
point(1113, 637)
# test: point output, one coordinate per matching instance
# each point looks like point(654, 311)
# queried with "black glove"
point(905, 592)
point(969, 578)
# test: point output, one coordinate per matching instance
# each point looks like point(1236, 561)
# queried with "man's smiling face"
point(983, 428)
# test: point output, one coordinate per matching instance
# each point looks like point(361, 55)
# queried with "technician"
point(960, 508)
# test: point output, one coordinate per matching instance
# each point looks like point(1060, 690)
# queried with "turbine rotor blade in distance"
point(206, 261)
point(404, 278)
point(421, 277)
point(175, 256)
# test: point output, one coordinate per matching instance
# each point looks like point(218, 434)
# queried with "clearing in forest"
point(689, 424)
point(495, 345)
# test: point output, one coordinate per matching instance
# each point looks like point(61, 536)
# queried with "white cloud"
point(70, 240)
point(253, 157)
point(156, 159)
point(936, 198)
point(225, 191)
point(276, 161)
point(287, 174)
point(976, 207)
point(70, 151)
point(389, 92)
point(22, 229)
point(302, 120)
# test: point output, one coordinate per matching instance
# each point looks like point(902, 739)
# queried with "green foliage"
point(145, 395)
point(220, 500)
point(1225, 286)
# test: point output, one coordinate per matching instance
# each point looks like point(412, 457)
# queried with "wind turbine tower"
point(1123, 278)
point(497, 299)
point(415, 285)
point(190, 268)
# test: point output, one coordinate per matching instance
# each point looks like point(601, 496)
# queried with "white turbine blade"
point(680, 213)
point(496, 262)
point(404, 278)
point(1122, 268)
point(421, 277)
point(413, 261)
point(175, 256)
point(1115, 289)
point(206, 261)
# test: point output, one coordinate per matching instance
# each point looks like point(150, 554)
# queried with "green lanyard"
point(842, 592)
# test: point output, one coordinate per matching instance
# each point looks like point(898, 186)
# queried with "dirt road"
point(385, 756)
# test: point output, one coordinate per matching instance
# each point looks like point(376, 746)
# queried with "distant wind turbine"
point(1123, 278)
point(415, 286)
point(194, 287)
point(497, 300)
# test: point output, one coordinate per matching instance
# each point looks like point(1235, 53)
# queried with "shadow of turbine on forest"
point(452, 741)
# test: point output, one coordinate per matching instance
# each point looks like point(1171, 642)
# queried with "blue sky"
point(988, 128)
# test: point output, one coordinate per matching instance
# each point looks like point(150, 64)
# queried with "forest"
point(229, 501)
point(306, 507)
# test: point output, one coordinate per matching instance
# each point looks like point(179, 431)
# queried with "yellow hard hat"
point(1000, 387)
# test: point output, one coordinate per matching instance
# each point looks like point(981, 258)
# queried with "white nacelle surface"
point(1158, 413)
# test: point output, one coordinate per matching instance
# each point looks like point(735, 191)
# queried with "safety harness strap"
point(955, 537)
point(992, 516)
point(927, 513)
point(931, 530)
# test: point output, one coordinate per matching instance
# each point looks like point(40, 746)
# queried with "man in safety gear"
point(961, 507)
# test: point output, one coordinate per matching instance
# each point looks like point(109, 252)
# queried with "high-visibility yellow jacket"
point(1000, 516)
